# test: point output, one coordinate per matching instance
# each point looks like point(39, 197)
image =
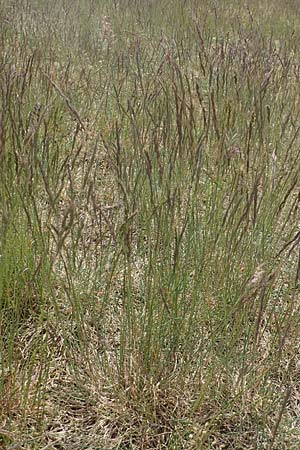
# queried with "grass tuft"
point(149, 219)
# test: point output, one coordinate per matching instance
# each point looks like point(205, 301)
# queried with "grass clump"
point(149, 250)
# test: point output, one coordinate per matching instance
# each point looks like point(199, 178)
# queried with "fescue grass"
point(150, 241)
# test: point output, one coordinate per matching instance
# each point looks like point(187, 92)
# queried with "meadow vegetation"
point(149, 214)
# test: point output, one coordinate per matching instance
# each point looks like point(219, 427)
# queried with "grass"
point(149, 204)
